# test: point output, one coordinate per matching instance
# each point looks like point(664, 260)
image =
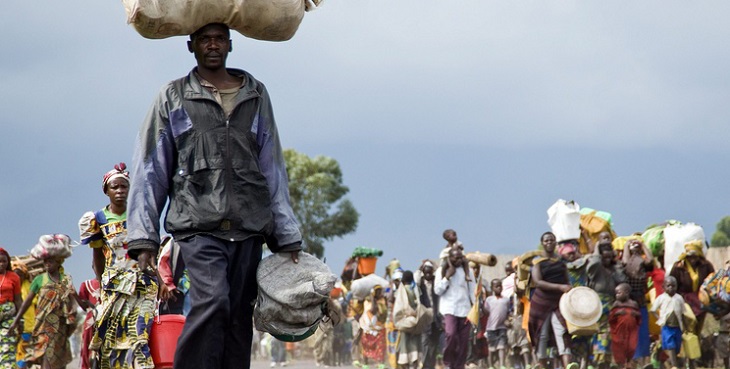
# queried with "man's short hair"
point(200, 30)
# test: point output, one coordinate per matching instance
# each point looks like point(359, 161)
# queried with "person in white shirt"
point(456, 293)
point(668, 308)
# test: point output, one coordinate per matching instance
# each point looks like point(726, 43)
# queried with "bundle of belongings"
point(268, 20)
point(52, 246)
point(293, 298)
point(714, 294)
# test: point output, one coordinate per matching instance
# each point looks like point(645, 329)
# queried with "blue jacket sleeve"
point(150, 176)
point(287, 236)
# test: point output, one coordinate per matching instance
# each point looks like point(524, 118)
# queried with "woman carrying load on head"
point(128, 294)
point(55, 311)
point(9, 304)
point(546, 324)
point(690, 271)
point(372, 322)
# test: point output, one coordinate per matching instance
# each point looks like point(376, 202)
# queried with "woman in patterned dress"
point(9, 304)
point(127, 306)
point(55, 313)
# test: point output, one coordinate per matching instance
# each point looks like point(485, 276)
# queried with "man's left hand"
point(146, 262)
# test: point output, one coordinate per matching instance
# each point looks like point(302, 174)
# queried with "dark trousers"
point(430, 347)
point(219, 329)
point(456, 330)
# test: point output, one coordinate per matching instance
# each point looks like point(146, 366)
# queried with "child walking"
point(497, 309)
point(668, 308)
point(624, 320)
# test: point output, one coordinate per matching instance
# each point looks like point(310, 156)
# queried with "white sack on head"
point(269, 20)
point(675, 236)
point(361, 287)
point(51, 246)
point(564, 220)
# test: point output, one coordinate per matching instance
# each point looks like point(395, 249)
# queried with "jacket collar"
point(194, 90)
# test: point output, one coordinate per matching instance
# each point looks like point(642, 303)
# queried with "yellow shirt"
point(29, 316)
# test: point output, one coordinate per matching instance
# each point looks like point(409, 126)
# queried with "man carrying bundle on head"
point(210, 145)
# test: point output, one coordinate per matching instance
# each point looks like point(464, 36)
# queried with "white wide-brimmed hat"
point(581, 306)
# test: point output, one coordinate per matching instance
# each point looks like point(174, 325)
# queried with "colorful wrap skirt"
point(124, 320)
point(55, 320)
point(8, 342)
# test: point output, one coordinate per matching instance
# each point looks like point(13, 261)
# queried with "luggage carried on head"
point(593, 223)
point(269, 20)
point(654, 237)
point(52, 246)
point(675, 237)
point(361, 287)
point(564, 220)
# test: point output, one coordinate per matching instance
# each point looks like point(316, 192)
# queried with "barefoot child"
point(624, 320)
point(668, 308)
point(497, 310)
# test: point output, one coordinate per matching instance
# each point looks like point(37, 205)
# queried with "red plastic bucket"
point(163, 339)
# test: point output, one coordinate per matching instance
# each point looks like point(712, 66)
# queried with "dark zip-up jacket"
point(224, 177)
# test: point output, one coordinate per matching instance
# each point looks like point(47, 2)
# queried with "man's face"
point(456, 257)
point(428, 273)
point(211, 45)
point(508, 269)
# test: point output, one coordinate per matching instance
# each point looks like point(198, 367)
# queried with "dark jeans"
point(219, 329)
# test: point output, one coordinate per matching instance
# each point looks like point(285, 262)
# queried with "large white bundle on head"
point(269, 20)
point(564, 220)
point(362, 287)
point(52, 246)
point(675, 237)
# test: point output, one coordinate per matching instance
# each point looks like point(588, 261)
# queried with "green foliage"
point(722, 235)
point(316, 190)
point(366, 252)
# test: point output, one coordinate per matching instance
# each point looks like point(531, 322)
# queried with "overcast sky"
point(474, 115)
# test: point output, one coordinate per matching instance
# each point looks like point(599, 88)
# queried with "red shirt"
point(9, 287)
point(657, 277)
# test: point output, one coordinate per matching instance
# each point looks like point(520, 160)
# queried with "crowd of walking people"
point(643, 316)
point(443, 314)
